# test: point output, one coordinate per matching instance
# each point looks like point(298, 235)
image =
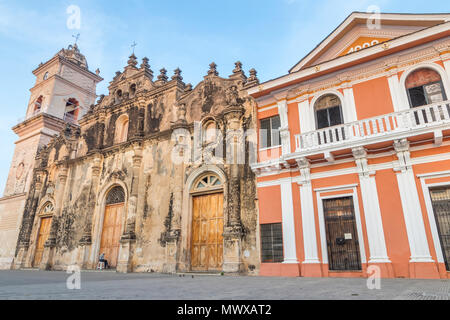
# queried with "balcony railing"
point(414, 119)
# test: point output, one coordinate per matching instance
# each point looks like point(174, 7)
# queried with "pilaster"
point(311, 265)
point(372, 213)
point(421, 263)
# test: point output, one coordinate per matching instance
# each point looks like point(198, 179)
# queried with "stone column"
point(311, 265)
point(50, 244)
point(85, 242)
point(173, 235)
point(372, 213)
point(421, 263)
point(128, 240)
point(232, 261)
point(22, 260)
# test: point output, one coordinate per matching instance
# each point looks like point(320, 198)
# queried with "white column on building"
point(349, 108)
point(394, 88)
point(306, 117)
point(284, 130)
point(412, 212)
point(372, 212)
point(288, 224)
point(308, 218)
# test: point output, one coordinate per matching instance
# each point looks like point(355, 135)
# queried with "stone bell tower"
point(63, 92)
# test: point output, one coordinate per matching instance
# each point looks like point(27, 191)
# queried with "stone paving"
point(110, 285)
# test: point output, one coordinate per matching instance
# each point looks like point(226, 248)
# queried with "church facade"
point(152, 175)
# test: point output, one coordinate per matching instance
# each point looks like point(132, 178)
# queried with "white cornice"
point(358, 17)
point(362, 54)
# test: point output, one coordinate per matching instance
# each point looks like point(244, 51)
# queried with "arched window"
point(133, 89)
point(38, 104)
point(45, 76)
point(122, 129)
point(115, 196)
point(119, 95)
point(207, 182)
point(47, 209)
point(328, 110)
point(71, 111)
point(424, 86)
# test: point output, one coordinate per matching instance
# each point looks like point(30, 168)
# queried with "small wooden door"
point(207, 233)
point(112, 231)
point(342, 236)
point(441, 206)
point(44, 231)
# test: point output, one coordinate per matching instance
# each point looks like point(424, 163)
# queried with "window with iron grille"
point(271, 243)
point(270, 132)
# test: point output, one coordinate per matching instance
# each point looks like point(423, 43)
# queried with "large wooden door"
point(441, 207)
point(207, 233)
point(112, 231)
point(342, 236)
point(44, 231)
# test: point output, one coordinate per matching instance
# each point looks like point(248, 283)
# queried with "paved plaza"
point(111, 285)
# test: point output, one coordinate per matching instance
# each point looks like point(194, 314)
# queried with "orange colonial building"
point(353, 163)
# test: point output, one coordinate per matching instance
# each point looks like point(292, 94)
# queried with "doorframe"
point(322, 229)
point(122, 227)
point(429, 207)
point(202, 194)
point(37, 226)
point(186, 220)
point(40, 217)
point(99, 215)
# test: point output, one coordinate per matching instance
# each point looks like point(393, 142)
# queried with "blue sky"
point(268, 35)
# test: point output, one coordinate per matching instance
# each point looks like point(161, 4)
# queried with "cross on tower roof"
point(76, 37)
point(134, 45)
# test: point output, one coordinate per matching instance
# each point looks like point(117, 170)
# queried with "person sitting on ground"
point(102, 259)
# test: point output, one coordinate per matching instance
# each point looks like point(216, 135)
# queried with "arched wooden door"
point(112, 225)
point(44, 232)
point(207, 226)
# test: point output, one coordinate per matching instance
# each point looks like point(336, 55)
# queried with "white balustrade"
point(412, 119)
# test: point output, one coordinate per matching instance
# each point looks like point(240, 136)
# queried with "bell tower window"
point(38, 104)
point(71, 111)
